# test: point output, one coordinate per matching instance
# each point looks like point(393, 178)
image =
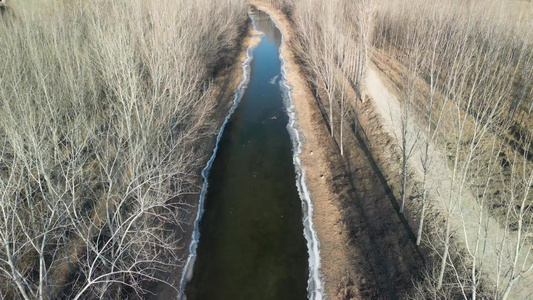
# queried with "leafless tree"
point(518, 194)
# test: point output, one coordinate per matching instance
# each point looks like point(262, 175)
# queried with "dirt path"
point(466, 217)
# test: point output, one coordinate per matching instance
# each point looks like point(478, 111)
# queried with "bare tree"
point(409, 133)
point(517, 191)
point(365, 16)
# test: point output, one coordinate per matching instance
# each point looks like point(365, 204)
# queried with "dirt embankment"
point(367, 249)
point(226, 84)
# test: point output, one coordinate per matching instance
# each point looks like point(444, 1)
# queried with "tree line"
point(105, 110)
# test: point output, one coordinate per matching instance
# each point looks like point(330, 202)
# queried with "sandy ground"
point(465, 218)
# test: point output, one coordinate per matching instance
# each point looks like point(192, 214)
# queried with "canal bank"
point(252, 228)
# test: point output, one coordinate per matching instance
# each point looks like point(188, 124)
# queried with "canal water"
point(252, 243)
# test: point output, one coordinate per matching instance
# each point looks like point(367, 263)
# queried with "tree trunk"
point(422, 213)
point(445, 254)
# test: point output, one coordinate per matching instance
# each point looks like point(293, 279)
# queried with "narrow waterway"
point(252, 243)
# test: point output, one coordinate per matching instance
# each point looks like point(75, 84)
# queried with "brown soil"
point(366, 251)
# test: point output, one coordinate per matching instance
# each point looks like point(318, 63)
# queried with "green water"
point(252, 244)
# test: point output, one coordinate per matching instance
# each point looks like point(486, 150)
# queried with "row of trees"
point(105, 107)
point(477, 85)
point(334, 39)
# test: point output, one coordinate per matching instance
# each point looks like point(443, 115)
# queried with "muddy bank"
point(367, 249)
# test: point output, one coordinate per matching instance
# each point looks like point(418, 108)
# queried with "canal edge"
point(187, 272)
point(315, 287)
